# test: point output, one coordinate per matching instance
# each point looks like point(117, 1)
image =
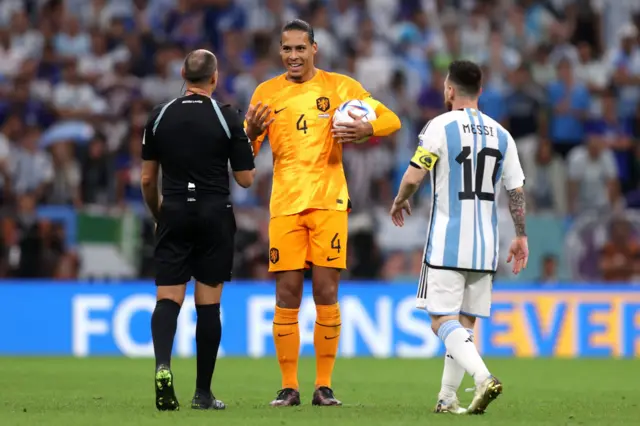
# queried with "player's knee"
point(325, 291)
point(288, 297)
point(467, 321)
point(173, 293)
point(437, 321)
point(435, 327)
point(289, 290)
point(207, 294)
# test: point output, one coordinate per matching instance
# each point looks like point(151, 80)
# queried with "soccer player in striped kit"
point(467, 154)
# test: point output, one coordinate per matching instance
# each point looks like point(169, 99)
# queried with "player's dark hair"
point(300, 25)
point(200, 66)
point(467, 76)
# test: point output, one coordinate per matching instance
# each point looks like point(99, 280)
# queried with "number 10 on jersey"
point(471, 189)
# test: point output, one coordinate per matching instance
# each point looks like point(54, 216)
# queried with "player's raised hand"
point(519, 254)
point(258, 120)
point(353, 131)
point(397, 215)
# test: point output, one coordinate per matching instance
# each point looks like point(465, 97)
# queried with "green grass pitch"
point(119, 391)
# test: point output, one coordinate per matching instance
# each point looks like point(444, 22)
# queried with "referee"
point(192, 138)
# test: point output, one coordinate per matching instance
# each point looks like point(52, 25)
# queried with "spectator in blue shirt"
point(492, 100)
point(570, 102)
point(617, 135)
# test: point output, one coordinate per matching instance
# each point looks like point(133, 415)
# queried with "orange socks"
point(286, 335)
point(326, 335)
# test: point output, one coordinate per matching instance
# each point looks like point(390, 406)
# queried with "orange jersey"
point(307, 161)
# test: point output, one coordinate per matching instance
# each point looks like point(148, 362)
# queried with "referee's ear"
point(214, 79)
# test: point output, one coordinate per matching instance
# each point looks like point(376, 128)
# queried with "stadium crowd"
point(78, 77)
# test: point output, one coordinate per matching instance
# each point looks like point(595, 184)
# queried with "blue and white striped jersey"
point(468, 154)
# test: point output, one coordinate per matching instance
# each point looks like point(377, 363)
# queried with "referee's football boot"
point(206, 401)
point(286, 398)
point(165, 394)
point(450, 405)
point(323, 396)
point(486, 392)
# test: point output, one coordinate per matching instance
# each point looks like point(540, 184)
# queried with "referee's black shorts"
point(194, 239)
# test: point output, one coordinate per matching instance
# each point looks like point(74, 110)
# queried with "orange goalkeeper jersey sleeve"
point(307, 161)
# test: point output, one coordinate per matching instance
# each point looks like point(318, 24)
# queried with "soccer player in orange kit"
point(309, 198)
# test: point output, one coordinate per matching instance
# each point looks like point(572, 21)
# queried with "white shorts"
point(449, 292)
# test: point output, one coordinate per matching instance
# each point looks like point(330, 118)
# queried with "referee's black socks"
point(164, 323)
point(208, 335)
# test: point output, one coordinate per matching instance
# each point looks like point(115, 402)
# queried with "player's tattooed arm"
point(517, 207)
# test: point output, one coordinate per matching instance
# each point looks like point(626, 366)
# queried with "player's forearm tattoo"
point(517, 207)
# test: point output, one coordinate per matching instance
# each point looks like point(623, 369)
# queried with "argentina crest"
point(323, 104)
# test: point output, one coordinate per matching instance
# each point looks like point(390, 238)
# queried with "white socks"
point(460, 346)
point(452, 375)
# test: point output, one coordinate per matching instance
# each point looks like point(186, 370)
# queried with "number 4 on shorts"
point(335, 243)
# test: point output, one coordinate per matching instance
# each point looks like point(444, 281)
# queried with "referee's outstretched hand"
point(258, 120)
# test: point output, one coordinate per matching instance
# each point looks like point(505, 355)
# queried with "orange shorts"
point(318, 237)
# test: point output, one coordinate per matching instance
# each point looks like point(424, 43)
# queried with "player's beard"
point(298, 74)
point(448, 105)
point(294, 77)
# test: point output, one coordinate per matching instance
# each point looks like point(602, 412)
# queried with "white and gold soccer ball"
point(358, 108)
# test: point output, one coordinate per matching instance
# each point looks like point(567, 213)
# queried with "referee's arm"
point(241, 153)
point(150, 167)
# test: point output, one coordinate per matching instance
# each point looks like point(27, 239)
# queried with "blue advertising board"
point(378, 319)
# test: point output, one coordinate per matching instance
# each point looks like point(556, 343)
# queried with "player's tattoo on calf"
point(517, 207)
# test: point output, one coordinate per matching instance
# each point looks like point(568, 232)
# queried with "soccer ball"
point(357, 107)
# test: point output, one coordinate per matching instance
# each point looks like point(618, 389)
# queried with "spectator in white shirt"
point(590, 71)
point(75, 99)
point(72, 41)
point(623, 63)
point(10, 57)
point(31, 168)
point(161, 86)
point(22, 38)
point(98, 62)
point(593, 177)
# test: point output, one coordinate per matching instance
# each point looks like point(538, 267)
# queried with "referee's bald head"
point(200, 67)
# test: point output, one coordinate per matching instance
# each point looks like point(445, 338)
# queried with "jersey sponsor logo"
point(277, 111)
point(424, 158)
point(323, 104)
point(274, 255)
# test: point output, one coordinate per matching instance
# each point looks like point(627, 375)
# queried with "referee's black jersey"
point(194, 138)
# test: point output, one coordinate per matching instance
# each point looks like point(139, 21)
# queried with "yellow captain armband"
point(424, 159)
